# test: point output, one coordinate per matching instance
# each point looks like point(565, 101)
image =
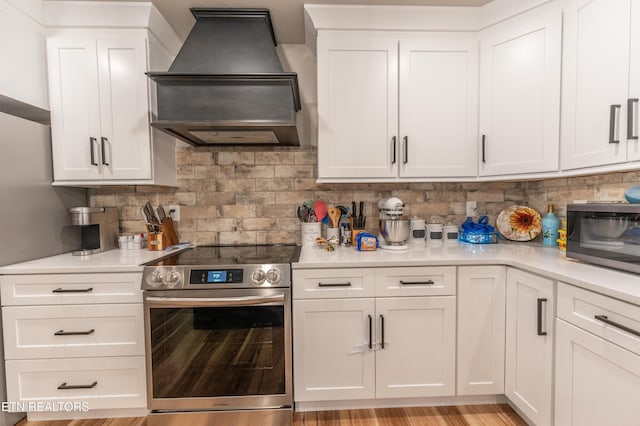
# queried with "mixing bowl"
point(606, 227)
point(394, 231)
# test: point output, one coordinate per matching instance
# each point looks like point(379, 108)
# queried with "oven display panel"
point(216, 276)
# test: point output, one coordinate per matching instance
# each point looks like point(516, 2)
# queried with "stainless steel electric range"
point(218, 336)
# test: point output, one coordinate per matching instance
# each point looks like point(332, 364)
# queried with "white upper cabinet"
point(99, 108)
point(633, 103)
point(439, 106)
point(99, 99)
point(601, 68)
point(357, 106)
point(392, 108)
point(75, 112)
point(520, 61)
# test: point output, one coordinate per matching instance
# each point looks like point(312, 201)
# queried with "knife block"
point(169, 231)
point(156, 241)
point(166, 237)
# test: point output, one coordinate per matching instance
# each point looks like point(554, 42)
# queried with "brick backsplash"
point(250, 195)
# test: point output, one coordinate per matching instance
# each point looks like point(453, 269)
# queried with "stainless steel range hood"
point(226, 85)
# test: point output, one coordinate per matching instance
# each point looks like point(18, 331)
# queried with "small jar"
point(137, 242)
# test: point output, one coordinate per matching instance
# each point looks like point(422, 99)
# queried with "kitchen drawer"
point(416, 281)
point(120, 382)
point(333, 283)
point(53, 289)
point(580, 307)
point(30, 331)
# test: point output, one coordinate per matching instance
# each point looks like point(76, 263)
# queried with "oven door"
point(218, 349)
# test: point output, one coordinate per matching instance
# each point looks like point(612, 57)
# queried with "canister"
point(434, 232)
point(451, 233)
point(417, 231)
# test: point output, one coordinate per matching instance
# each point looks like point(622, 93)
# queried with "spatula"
point(334, 216)
point(320, 208)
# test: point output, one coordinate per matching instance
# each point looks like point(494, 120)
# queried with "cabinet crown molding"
point(320, 17)
point(110, 14)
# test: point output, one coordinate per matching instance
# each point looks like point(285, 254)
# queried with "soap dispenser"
point(550, 226)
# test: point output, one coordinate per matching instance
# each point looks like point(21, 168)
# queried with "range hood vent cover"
point(227, 85)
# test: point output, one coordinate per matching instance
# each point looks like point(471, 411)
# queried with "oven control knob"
point(273, 276)
point(258, 276)
point(172, 279)
point(155, 279)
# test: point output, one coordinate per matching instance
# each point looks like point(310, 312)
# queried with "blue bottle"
point(550, 226)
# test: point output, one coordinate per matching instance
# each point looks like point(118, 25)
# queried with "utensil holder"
point(310, 232)
point(333, 233)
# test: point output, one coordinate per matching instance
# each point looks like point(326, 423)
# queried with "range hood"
point(226, 86)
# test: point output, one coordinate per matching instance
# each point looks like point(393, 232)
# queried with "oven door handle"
point(213, 301)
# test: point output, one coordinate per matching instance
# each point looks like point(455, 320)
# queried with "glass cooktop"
point(233, 255)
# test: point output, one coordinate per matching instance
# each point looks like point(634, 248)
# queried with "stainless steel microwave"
point(606, 234)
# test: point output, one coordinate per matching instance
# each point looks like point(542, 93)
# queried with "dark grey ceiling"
point(287, 15)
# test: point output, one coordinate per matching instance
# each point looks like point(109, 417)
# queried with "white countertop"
point(108, 261)
point(533, 257)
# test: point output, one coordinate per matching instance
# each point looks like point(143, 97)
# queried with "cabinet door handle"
point(347, 284)
point(103, 142)
point(70, 290)
point(484, 137)
point(381, 331)
point(92, 142)
point(74, 333)
point(540, 302)
point(632, 122)
point(606, 320)
point(370, 332)
point(614, 123)
point(393, 139)
point(406, 149)
point(428, 282)
point(65, 386)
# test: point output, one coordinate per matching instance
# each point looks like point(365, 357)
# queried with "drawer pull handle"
point(606, 320)
point(65, 386)
point(540, 332)
point(428, 282)
point(347, 284)
point(80, 290)
point(73, 333)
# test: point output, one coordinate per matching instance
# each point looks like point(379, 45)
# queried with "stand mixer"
point(394, 229)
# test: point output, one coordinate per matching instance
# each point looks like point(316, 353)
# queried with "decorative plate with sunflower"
point(519, 223)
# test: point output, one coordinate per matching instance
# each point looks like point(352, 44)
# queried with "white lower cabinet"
point(332, 359)
point(75, 338)
point(529, 344)
point(597, 378)
point(101, 383)
point(481, 330)
point(374, 347)
point(416, 347)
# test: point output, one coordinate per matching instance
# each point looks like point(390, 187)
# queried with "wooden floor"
point(467, 415)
